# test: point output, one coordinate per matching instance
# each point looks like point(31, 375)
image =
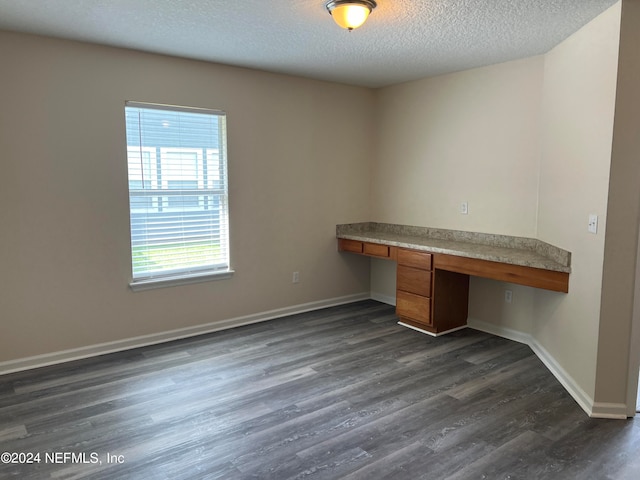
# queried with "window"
point(177, 194)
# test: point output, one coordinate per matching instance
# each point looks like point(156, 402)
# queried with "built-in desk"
point(434, 266)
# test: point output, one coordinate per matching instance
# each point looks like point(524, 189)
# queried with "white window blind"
point(177, 192)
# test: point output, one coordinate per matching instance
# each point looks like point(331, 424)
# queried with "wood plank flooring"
point(341, 393)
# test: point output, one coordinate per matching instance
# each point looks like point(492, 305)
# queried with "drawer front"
point(376, 250)
point(414, 280)
point(412, 306)
point(412, 258)
point(353, 246)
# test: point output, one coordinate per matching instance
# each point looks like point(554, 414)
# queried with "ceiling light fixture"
point(350, 14)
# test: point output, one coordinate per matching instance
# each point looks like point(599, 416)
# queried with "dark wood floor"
point(333, 394)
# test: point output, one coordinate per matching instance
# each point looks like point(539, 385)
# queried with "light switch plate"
point(593, 223)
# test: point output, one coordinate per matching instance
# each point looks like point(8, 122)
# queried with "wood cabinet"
point(367, 248)
point(376, 250)
point(413, 309)
point(428, 299)
point(432, 289)
point(346, 245)
point(431, 300)
point(413, 287)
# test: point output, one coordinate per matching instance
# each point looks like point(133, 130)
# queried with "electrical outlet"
point(464, 208)
point(296, 277)
point(508, 296)
point(593, 224)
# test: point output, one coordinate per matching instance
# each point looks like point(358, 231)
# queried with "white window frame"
point(159, 188)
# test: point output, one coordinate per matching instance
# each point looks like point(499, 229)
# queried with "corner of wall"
point(582, 398)
point(579, 95)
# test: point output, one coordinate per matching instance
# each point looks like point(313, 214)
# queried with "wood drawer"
point(353, 246)
point(413, 258)
point(376, 250)
point(414, 280)
point(415, 307)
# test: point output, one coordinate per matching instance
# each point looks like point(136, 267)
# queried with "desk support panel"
point(530, 276)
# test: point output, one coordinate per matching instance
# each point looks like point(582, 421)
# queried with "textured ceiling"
point(402, 40)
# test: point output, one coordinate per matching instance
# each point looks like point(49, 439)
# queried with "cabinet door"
point(376, 250)
point(413, 258)
point(414, 280)
point(352, 246)
point(415, 307)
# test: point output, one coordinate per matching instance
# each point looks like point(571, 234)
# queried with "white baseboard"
point(593, 409)
point(389, 300)
point(161, 337)
point(579, 395)
point(499, 331)
point(609, 410)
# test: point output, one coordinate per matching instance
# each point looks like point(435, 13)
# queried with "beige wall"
point(469, 136)
point(298, 165)
point(578, 108)
point(528, 145)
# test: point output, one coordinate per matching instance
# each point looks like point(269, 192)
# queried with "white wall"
point(469, 136)
point(528, 145)
point(578, 111)
point(298, 165)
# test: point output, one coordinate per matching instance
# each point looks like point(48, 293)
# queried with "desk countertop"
point(527, 252)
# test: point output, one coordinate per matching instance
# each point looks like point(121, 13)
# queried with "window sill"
point(173, 281)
